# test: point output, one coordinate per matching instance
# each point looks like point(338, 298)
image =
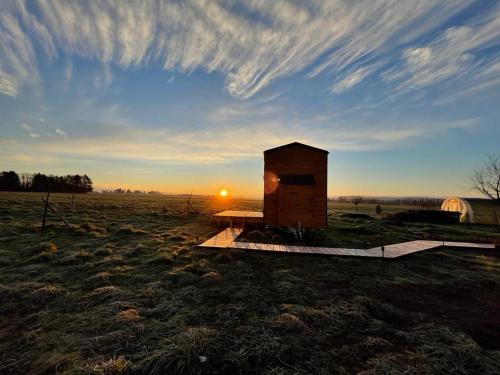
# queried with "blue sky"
point(182, 96)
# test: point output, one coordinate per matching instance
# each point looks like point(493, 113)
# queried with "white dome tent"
point(459, 205)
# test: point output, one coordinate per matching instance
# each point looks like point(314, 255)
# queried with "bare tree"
point(356, 200)
point(486, 178)
point(26, 180)
point(189, 207)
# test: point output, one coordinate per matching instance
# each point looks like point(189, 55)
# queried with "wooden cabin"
point(295, 186)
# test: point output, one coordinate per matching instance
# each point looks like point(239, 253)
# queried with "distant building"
point(474, 210)
point(295, 186)
point(459, 205)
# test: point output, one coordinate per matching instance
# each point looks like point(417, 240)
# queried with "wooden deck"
point(227, 239)
point(239, 217)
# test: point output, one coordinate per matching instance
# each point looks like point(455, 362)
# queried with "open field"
point(128, 292)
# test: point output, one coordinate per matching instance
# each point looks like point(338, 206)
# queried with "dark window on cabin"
point(296, 179)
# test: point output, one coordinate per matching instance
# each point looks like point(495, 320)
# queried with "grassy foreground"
point(128, 292)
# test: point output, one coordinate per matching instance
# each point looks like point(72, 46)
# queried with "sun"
point(223, 193)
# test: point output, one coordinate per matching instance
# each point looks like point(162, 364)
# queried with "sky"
point(184, 96)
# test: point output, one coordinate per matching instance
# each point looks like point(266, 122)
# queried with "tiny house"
point(295, 186)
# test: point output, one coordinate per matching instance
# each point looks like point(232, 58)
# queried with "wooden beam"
point(57, 213)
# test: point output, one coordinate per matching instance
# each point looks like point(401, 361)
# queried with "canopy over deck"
point(239, 217)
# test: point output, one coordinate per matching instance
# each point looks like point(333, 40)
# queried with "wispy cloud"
point(30, 131)
point(352, 79)
point(17, 56)
point(68, 72)
point(251, 42)
point(61, 132)
point(388, 135)
point(454, 54)
point(8, 84)
point(203, 146)
point(104, 77)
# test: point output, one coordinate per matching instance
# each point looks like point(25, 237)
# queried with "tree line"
point(11, 181)
point(128, 191)
point(421, 202)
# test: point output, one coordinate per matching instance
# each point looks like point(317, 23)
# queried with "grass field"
point(128, 292)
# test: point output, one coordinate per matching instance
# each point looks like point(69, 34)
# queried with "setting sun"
point(223, 193)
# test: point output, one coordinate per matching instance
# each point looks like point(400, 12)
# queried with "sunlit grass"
point(128, 292)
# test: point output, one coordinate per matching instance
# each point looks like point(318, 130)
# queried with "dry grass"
point(129, 315)
point(112, 366)
point(128, 292)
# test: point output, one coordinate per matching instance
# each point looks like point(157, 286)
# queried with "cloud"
point(104, 78)
point(351, 80)
point(30, 131)
point(8, 85)
point(455, 54)
point(243, 134)
point(17, 56)
point(40, 32)
point(61, 132)
point(417, 57)
point(68, 72)
point(388, 135)
point(251, 42)
point(486, 79)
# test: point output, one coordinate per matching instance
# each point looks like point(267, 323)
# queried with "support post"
point(496, 221)
point(45, 210)
point(57, 213)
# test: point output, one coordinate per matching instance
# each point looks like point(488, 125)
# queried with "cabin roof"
point(295, 144)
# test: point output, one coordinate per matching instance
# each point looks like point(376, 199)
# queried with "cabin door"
point(295, 205)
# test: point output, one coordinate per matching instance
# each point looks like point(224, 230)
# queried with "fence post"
point(496, 221)
point(53, 209)
point(45, 210)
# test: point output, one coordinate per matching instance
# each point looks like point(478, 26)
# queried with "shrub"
point(351, 215)
point(427, 216)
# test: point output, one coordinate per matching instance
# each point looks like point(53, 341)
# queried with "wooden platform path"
point(227, 239)
point(223, 239)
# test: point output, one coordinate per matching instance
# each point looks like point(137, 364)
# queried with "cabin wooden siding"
point(287, 205)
